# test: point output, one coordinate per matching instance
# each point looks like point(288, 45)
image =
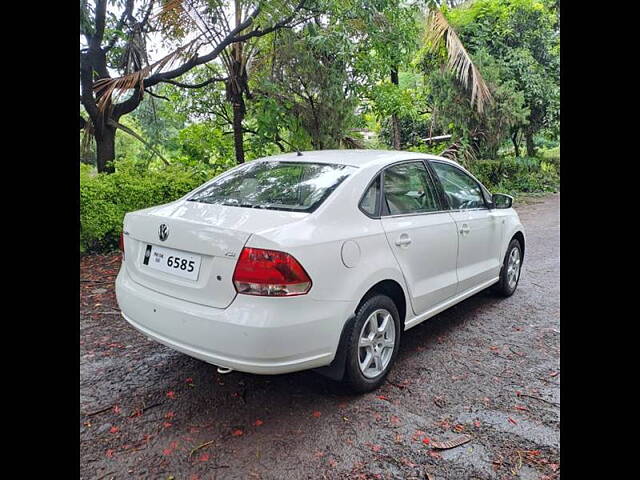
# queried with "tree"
point(523, 35)
point(117, 43)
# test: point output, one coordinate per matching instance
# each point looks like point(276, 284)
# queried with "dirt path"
point(488, 367)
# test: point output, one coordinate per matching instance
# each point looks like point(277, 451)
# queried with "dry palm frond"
point(87, 138)
point(106, 87)
point(459, 62)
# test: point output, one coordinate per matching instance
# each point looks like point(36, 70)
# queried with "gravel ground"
point(488, 368)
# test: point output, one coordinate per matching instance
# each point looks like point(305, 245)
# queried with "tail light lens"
point(269, 273)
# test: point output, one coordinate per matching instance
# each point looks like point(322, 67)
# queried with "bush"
point(518, 175)
point(104, 199)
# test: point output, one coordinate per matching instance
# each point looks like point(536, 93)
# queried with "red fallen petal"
point(316, 414)
point(171, 394)
point(166, 451)
point(513, 421)
point(376, 448)
point(169, 415)
point(518, 407)
point(109, 453)
point(204, 457)
point(114, 429)
point(237, 433)
point(426, 440)
point(116, 409)
point(476, 423)
point(382, 397)
point(189, 380)
point(257, 423)
point(166, 424)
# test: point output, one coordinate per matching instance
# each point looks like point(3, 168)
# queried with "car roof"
point(356, 158)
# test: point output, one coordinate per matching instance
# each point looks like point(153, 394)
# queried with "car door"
point(422, 236)
point(479, 230)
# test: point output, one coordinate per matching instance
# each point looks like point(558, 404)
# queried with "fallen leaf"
point(459, 440)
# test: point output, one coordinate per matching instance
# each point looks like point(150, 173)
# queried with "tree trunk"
point(531, 148)
point(238, 117)
point(395, 127)
point(514, 139)
point(105, 149)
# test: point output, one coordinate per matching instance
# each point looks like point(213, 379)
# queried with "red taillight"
point(269, 272)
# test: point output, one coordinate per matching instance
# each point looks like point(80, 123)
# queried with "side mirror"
point(501, 200)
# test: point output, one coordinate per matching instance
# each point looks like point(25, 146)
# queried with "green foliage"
point(517, 175)
point(105, 198)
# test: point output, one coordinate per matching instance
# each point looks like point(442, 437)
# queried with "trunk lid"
point(215, 233)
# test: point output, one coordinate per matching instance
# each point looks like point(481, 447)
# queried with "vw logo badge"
point(163, 232)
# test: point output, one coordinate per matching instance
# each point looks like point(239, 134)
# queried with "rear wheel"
point(511, 266)
point(373, 343)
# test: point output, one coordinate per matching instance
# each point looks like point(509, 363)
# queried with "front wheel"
point(511, 266)
point(373, 343)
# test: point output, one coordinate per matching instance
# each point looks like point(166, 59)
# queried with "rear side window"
point(293, 186)
point(408, 188)
point(369, 202)
point(462, 191)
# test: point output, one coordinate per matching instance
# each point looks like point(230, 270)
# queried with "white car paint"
point(451, 256)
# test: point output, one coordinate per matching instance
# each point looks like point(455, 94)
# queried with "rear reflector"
point(270, 273)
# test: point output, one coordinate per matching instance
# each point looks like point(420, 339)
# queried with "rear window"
point(293, 186)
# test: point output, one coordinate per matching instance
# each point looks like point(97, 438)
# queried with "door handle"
point(403, 240)
point(464, 229)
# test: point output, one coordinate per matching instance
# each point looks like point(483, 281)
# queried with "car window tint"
point(409, 189)
point(369, 201)
point(462, 191)
point(297, 186)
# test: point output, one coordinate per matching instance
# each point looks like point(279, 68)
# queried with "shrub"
point(105, 199)
point(518, 175)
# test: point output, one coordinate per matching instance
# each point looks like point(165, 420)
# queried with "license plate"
point(174, 262)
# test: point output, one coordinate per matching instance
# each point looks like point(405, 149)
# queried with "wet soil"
point(488, 368)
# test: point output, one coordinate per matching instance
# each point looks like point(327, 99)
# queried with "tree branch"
point(125, 14)
point(161, 97)
point(101, 12)
point(196, 85)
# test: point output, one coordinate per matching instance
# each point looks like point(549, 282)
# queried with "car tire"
point(508, 279)
point(374, 309)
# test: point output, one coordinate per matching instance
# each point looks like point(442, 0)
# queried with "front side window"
point(293, 186)
point(462, 191)
point(408, 189)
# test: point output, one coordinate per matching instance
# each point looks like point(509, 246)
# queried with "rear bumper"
point(254, 334)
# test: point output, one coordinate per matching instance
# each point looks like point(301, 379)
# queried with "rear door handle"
point(464, 229)
point(403, 240)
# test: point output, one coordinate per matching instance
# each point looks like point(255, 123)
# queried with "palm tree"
point(440, 32)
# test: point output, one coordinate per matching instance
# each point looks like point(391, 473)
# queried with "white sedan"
point(315, 260)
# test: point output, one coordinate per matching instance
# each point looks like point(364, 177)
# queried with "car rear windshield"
point(292, 186)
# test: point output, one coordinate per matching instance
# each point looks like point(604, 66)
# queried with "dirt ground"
point(488, 368)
